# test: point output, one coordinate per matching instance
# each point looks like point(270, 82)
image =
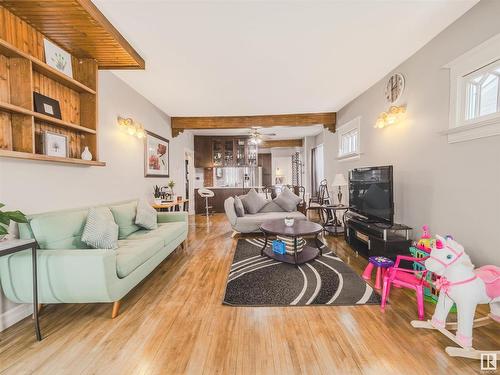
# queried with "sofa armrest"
point(170, 217)
point(70, 275)
point(230, 210)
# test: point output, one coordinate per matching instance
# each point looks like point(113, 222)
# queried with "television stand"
point(372, 239)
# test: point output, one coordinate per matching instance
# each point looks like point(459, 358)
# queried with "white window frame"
point(348, 127)
point(473, 61)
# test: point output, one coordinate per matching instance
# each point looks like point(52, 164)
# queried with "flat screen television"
point(371, 193)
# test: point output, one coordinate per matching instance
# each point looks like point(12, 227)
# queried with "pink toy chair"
point(402, 277)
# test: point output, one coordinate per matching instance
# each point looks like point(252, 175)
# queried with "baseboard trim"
point(14, 315)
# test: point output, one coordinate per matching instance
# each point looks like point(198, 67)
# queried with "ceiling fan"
point(257, 137)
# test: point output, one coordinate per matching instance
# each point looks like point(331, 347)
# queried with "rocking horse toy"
point(465, 286)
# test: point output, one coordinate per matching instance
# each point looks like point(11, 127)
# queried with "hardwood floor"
point(174, 323)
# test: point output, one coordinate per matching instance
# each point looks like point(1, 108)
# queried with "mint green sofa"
point(70, 272)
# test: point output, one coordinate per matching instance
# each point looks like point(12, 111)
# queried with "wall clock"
point(394, 87)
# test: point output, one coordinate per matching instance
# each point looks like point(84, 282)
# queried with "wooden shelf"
point(40, 116)
point(41, 67)
point(30, 156)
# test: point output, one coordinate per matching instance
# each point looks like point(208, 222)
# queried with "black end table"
point(332, 224)
point(298, 229)
point(14, 246)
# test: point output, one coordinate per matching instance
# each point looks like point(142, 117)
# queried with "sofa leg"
point(39, 308)
point(116, 309)
point(183, 245)
point(234, 234)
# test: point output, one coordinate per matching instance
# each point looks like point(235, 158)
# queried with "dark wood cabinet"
point(212, 151)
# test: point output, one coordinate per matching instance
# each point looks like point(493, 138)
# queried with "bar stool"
point(205, 193)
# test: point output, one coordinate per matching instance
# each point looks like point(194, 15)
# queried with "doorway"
point(317, 168)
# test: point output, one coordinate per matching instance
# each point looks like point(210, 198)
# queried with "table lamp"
point(339, 181)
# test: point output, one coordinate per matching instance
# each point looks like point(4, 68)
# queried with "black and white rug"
point(256, 280)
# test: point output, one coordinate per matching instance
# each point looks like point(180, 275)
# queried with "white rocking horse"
point(465, 286)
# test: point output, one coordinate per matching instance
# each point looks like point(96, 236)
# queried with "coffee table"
point(295, 232)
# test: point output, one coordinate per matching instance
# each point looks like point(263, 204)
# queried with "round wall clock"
point(394, 87)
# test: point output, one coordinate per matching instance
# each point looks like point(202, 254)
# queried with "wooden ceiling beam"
point(179, 124)
point(281, 143)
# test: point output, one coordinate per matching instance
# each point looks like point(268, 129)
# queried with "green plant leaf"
point(2, 205)
point(4, 219)
point(3, 230)
point(17, 216)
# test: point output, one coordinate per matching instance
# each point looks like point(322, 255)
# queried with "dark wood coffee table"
point(299, 229)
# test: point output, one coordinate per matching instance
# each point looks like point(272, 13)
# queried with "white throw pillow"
point(101, 231)
point(146, 217)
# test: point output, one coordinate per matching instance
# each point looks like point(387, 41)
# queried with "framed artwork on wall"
point(156, 156)
point(57, 58)
point(55, 144)
point(46, 105)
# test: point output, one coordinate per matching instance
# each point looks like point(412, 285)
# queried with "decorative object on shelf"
point(57, 58)
point(5, 219)
point(55, 144)
point(394, 88)
point(131, 126)
point(393, 116)
point(156, 156)
point(157, 194)
point(339, 181)
point(289, 221)
point(279, 247)
point(86, 154)
point(466, 285)
point(46, 105)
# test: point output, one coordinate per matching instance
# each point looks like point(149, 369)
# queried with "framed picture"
point(57, 58)
point(156, 156)
point(55, 144)
point(46, 105)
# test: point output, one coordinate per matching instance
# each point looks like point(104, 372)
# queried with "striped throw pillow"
point(101, 231)
point(146, 216)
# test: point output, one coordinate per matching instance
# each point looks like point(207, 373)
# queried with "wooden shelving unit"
point(21, 74)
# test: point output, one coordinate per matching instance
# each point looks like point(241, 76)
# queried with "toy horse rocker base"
point(465, 286)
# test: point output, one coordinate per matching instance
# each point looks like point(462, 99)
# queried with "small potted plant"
point(6, 217)
point(171, 185)
point(157, 194)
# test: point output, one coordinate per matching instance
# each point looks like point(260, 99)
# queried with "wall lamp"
point(391, 117)
point(131, 127)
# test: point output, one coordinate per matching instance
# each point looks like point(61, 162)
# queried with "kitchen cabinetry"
point(212, 151)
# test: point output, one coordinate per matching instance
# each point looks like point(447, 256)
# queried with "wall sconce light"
point(391, 117)
point(131, 127)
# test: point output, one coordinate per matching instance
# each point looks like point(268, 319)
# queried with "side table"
point(332, 224)
point(14, 246)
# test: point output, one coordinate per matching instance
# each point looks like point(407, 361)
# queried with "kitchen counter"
point(221, 194)
point(233, 187)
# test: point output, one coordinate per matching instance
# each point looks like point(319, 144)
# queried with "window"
point(349, 139)
point(475, 93)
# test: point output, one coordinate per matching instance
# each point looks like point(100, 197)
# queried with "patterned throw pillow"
point(101, 231)
point(146, 215)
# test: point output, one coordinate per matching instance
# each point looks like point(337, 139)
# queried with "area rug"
point(256, 280)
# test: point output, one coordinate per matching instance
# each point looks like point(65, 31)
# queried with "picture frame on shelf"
point(57, 58)
point(156, 155)
point(46, 105)
point(55, 144)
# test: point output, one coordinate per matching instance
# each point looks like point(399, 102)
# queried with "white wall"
point(452, 187)
point(35, 187)
point(282, 158)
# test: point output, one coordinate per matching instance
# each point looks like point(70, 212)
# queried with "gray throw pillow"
point(253, 202)
point(271, 207)
point(101, 231)
point(146, 216)
point(238, 207)
point(287, 200)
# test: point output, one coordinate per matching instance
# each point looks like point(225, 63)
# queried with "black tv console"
point(371, 239)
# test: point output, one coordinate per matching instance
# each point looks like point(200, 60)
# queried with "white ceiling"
point(261, 57)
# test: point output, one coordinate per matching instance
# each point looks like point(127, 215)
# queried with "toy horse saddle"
point(491, 278)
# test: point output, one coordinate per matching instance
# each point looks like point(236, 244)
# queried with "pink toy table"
point(382, 264)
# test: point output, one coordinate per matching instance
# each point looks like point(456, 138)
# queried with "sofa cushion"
point(271, 207)
point(253, 202)
point(101, 231)
point(146, 217)
point(251, 223)
point(60, 230)
point(287, 200)
point(132, 254)
point(166, 231)
point(238, 207)
point(124, 215)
